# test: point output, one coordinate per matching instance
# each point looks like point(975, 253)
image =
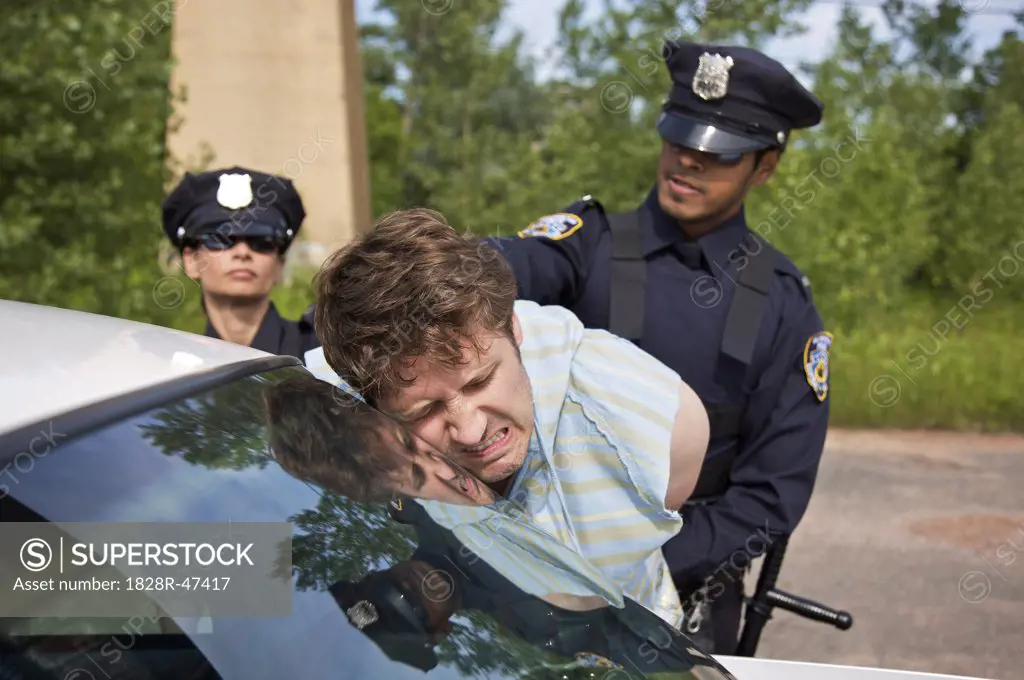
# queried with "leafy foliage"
point(82, 127)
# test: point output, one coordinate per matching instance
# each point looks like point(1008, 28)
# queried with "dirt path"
point(920, 535)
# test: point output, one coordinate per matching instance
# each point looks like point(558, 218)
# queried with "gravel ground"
point(919, 535)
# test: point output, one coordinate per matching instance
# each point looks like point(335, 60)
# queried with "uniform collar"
point(268, 336)
point(718, 247)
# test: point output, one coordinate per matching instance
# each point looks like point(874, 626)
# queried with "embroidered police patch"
point(554, 227)
point(816, 357)
point(397, 504)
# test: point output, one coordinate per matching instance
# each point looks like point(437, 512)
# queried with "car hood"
point(745, 668)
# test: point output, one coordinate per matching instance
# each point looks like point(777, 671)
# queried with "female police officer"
point(686, 279)
point(232, 229)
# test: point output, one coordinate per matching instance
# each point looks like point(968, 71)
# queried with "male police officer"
point(232, 229)
point(685, 278)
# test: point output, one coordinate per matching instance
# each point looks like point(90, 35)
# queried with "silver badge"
point(711, 81)
point(362, 614)
point(235, 191)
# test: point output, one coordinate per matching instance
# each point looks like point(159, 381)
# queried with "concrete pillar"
point(276, 85)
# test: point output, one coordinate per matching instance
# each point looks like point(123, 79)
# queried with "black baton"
point(766, 597)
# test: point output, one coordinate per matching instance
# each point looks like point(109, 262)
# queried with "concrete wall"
point(276, 85)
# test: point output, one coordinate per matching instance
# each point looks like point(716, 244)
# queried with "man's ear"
point(517, 329)
point(192, 262)
point(766, 168)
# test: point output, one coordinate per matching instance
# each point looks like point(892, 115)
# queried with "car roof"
point(57, 360)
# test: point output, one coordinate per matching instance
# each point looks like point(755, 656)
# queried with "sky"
point(538, 19)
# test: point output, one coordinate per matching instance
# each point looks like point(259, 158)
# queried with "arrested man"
point(595, 440)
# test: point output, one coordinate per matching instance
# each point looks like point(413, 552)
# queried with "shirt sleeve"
point(551, 256)
point(316, 363)
point(774, 473)
point(633, 399)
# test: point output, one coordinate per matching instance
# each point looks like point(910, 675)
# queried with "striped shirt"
point(596, 472)
point(514, 546)
point(503, 536)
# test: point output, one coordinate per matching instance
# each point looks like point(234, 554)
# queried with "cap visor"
point(255, 229)
point(238, 229)
point(702, 136)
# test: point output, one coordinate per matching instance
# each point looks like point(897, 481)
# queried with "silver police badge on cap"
point(235, 191)
point(711, 81)
point(362, 614)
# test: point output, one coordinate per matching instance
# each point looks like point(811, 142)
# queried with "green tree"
point(467, 104)
point(986, 236)
point(854, 200)
point(82, 127)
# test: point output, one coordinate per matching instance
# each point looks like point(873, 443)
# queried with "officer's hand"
point(433, 589)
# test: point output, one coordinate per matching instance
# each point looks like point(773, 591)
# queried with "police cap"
point(728, 99)
point(378, 608)
point(233, 202)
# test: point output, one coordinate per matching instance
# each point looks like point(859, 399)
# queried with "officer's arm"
point(551, 257)
point(690, 434)
point(773, 475)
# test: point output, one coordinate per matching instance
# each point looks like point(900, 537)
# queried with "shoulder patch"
point(817, 352)
point(554, 227)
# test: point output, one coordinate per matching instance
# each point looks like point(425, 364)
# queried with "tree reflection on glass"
point(223, 428)
point(345, 540)
point(342, 540)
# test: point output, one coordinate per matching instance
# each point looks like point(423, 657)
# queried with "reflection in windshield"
point(407, 609)
point(323, 435)
point(470, 557)
point(407, 571)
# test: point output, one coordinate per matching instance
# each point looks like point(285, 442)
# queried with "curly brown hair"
point(320, 434)
point(410, 288)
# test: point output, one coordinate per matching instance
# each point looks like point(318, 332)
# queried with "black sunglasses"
point(725, 159)
point(257, 244)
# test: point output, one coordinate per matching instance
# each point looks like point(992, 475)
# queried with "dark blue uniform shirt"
point(278, 335)
point(688, 291)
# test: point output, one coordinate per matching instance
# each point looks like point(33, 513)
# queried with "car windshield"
point(393, 573)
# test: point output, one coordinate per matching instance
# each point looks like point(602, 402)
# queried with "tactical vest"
point(743, 321)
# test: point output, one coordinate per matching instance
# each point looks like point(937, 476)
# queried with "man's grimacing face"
point(479, 413)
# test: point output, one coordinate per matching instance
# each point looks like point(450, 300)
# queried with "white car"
point(106, 420)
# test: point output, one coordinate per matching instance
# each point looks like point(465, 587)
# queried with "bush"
point(931, 365)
